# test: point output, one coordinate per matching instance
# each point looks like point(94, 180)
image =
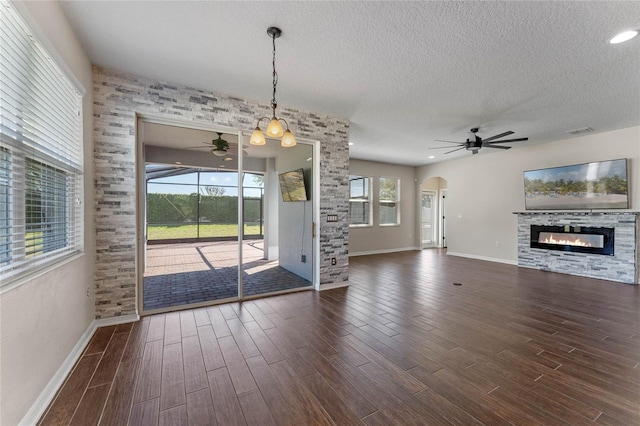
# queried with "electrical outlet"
point(88, 292)
point(303, 258)
point(334, 261)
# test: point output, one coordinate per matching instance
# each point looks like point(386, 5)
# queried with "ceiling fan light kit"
point(474, 142)
point(274, 128)
point(220, 147)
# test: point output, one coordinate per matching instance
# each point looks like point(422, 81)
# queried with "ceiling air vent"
point(580, 131)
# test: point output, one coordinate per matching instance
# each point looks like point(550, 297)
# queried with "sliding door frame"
point(141, 212)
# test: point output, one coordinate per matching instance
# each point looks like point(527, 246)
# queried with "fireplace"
point(621, 266)
point(578, 239)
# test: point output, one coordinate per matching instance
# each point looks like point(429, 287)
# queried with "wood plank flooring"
point(401, 345)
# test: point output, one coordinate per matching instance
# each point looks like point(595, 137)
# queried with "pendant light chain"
point(274, 104)
point(274, 128)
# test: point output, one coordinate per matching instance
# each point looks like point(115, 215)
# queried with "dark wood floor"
point(401, 345)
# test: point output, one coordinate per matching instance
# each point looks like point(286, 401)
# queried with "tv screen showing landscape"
point(292, 186)
point(599, 185)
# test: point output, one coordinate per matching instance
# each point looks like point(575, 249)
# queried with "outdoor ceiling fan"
point(219, 147)
point(474, 142)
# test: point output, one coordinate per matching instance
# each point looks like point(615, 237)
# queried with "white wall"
point(486, 189)
point(377, 238)
point(43, 319)
point(271, 202)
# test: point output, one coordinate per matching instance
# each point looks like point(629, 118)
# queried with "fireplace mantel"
point(621, 267)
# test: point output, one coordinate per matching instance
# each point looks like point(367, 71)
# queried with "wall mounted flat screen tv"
point(599, 185)
point(292, 186)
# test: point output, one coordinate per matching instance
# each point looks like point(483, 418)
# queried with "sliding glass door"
point(281, 258)
point(217, 224)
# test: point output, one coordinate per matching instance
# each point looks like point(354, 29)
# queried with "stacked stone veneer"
point(118, 99)
point(623, 266)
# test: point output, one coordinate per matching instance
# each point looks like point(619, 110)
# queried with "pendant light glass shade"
point(257, 137)
point(274, 128)
point(288, 140)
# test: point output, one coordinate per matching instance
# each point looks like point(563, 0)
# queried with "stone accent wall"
point(622, 267)
point(118, 97)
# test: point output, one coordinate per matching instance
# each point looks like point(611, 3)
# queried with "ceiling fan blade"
point(498, 136)
point(457, 149)
point(440, 140)
point(443, 147)
point(510, 140)
point(496, 146)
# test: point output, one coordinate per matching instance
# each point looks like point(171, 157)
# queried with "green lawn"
point(33, 242)
point(170, 232)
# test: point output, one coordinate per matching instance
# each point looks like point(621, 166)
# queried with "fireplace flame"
point(570, 242)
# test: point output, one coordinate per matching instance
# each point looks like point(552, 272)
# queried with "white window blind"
point(40, 154)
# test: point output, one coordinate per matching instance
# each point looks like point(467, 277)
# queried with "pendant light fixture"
point(274, 128)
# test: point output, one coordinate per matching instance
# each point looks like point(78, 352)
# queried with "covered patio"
point(187, 273)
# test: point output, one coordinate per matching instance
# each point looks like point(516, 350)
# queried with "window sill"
point(386, 225)
point(36, 273)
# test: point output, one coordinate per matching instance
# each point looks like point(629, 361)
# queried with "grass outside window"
point(207, 230)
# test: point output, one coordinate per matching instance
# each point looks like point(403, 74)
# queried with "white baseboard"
point(103, 322)
point(330, 286)
point(488, 259)
point(365, 253)
point(49, 392)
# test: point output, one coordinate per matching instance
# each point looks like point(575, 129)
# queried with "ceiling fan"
point(220, 147)
point(475, 142)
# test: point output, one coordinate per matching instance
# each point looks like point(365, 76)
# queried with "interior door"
point(443, 222)
point(428, 216)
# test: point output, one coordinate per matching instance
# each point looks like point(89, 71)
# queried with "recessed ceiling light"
point(227, 159)
point(580, 131)
point(624, 36)
point(350, 143)
point(310, 158)
point(431, 157)
point(178, 163)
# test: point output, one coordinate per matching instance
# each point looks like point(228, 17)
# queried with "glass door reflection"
point(277, 243)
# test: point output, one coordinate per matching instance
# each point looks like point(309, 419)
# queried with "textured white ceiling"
point(403, 73)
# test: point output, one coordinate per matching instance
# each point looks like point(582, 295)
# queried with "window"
point(359, 201)
point(389, 201)
point(40, 154)
point(46, 208)
point(5, 206)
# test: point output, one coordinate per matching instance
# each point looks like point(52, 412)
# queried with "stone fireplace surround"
point(621, 267)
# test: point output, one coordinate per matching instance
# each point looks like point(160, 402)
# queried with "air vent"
point(580, 131)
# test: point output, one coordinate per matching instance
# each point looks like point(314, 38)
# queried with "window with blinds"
point(359, 201)
point(389, 201)
point(41, 218)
